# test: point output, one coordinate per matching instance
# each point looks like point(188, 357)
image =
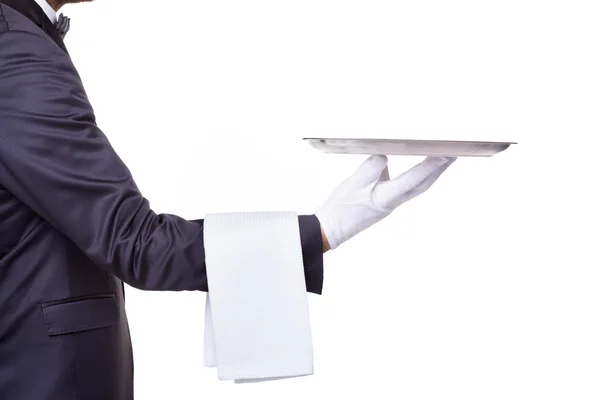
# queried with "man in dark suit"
point(74, 226)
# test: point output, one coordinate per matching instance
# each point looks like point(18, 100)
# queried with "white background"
point(485, 287)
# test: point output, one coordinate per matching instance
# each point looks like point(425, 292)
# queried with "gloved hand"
point(369, 195)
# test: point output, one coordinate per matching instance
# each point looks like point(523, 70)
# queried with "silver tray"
point(408, 147)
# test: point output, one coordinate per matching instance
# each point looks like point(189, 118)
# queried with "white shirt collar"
point(49, 11)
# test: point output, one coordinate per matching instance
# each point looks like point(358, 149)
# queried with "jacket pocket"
point(80, 314)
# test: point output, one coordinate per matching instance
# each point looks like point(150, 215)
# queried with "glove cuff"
point(333, 237)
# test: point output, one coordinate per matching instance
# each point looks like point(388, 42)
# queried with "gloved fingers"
point(369, 172)
point(417, 174)
point(425, 185)
point(410, 184)
point(385, 175)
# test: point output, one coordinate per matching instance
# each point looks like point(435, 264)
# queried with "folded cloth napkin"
point(257, 324)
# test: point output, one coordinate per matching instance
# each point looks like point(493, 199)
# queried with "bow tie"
point(62, 25)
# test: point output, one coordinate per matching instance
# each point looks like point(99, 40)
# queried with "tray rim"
point(415, 140)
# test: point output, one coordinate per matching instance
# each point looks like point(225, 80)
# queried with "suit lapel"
point(31, 10)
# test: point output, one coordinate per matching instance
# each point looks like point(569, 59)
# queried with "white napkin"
point(257, 325)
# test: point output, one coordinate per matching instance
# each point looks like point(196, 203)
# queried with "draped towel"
point(257, 324)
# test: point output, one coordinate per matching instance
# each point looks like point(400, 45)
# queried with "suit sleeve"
point(55, 159)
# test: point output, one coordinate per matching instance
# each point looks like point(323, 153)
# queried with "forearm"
point(68, 173)
point(326, 246)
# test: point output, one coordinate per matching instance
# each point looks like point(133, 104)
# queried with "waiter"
point(74, 226)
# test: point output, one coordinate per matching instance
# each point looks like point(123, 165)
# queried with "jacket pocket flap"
point(80, 315)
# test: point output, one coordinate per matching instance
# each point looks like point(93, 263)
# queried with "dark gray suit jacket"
point(74, 226)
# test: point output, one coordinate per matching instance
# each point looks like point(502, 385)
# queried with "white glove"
point(369, 195)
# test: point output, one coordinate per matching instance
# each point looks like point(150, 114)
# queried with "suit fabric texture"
point(74, 227)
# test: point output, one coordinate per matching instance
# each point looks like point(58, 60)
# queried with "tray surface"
point(409, 147)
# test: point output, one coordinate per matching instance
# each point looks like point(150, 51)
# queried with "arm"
point(326, 245)
point(55, 159)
